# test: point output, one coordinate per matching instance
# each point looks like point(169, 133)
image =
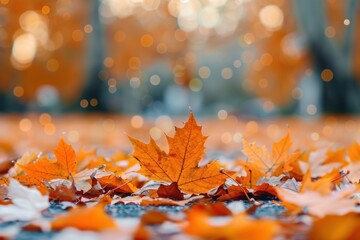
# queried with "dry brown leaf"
point(170, 191)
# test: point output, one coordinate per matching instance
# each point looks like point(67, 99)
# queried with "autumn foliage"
point(316, 187)
point(180, 165)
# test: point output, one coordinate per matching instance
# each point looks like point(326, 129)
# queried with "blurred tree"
point(276, 56)
point(94, 59)
point(330, 30)
point(71, 55)
point(42, 49)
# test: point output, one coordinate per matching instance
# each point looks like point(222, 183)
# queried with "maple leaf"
point(271, 163)
point(46, 169)
point(27, 203)
point(180, 165)
point(48, 173)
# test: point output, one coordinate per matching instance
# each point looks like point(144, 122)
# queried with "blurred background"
point(256, 68)
point(252, 58)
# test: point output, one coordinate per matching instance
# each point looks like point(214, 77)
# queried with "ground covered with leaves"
point(178, 192)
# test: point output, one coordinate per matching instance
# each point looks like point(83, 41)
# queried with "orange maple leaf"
point(180, 165)
point(64, 167)
point(271, 163)
point(46, 169)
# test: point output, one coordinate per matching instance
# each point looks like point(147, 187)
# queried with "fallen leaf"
point(84, 218)
point(292, 185)
point(180, 165)
point(170, 191)
point(153, 217)
point(321, 185)
point(142, 233)
point(63, 169)
point(6, 163)
point(127, 200)
point(316, 204)
point(46, 169)
point(211, 209)
point(336, 227)
point(238, 227)
point(116, 184)
point(252, 177)
point(234, 192)
point(354, 152)
point(264, 191)
point(27, 203)
point(273, 181)
point(273, 163)
point(322, 161)
point(62, 192)
point(354, 165)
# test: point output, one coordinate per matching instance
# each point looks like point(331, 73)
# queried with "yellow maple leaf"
point(272, 163)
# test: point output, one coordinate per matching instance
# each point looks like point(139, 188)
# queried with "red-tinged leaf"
point(171, 191)
point(234, 193)
point(264, 191)
point(116, 184)
point(211, 209)
point(63, 193)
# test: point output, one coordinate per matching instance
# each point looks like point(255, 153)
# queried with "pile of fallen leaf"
point(319, 189)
